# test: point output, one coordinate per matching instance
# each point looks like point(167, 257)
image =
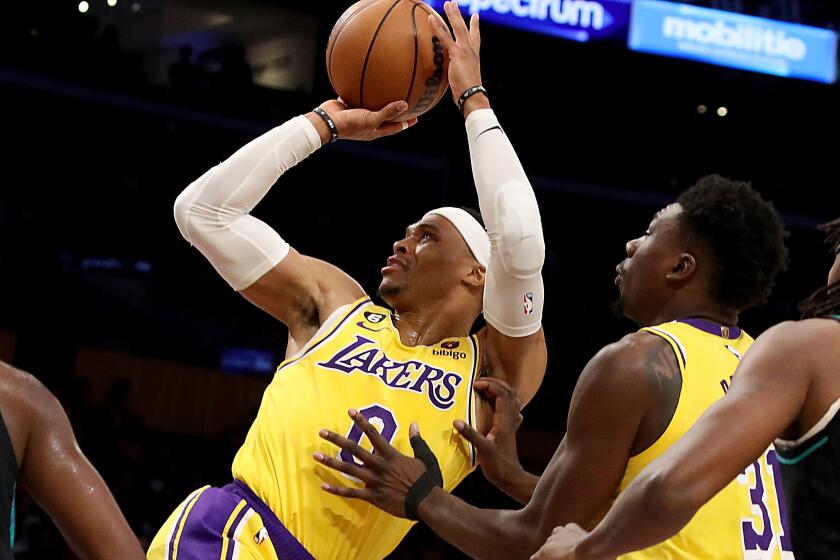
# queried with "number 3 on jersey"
point(380, 417)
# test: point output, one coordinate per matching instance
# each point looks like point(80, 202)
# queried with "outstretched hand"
point(362, 124)
point(463, 50)
point(497, 450)
point(387, 474)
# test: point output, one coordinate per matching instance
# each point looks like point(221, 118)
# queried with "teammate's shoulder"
point(628, 356)
point(635, 345)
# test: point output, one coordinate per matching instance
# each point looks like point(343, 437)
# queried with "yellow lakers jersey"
point(355, 361)
point(743, 520)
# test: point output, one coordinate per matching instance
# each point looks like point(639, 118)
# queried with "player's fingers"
point(351, 447)
point(347, 492)
point(380, 444)
point(491, 386)
point(471, 435)
point(389, 112)
point(475, 34)
point(351, 469)
point(441, 31)
point(574, 528)
point(389, 129)
point(456, 20)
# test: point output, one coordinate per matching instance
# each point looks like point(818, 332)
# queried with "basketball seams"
point(336, 33)
point(371, 61)
point(370, 50)
point(416, 52)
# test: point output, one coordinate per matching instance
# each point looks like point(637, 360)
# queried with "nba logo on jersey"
point(261, 535)
point(528, 301)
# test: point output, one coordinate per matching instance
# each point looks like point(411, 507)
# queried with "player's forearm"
point(520, 487)
point(237, 184)
point(513, 291)
point(480, 533)
point(648, 512)
point(213, 213)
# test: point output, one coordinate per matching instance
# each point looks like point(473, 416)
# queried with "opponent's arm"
point(607, 408)
point(496, 451)
point(513, 290)
point(62, 481)
point(768, 392)
point(213, 213)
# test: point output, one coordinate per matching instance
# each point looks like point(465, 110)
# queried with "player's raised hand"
point(497, 450)
point(361, 124)
point(463, 49)
point(388, 475)
point(561, 544)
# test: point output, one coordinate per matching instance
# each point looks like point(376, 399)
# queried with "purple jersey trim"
point(190, 502)
point(332, 332)
point(723, 331)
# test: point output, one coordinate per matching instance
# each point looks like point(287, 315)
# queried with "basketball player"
point(38, 448)
point(701, 262)
point(788, 388)
point(415, 360)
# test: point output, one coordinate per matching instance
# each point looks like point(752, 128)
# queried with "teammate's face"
point(642, 276)
point(430, 261)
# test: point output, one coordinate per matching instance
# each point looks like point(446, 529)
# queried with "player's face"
point(427, 263)
point(641, 278)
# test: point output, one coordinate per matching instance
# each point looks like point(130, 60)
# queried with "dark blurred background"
point(109, 111)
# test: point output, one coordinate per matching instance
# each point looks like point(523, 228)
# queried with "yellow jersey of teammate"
point(708, 355)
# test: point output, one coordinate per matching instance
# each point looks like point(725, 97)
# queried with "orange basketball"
point(385, 50)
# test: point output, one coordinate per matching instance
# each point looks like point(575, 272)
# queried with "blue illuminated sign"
point(578, 20)
point(734, 40)
point(246, 360)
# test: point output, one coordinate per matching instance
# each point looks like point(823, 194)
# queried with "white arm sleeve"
point(213, 213)
point(513, 290)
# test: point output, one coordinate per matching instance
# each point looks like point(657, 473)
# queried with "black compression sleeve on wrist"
point(423, 486)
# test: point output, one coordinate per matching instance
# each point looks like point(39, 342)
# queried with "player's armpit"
point(302, 292)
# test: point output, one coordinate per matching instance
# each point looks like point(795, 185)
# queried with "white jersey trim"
point(827, 417)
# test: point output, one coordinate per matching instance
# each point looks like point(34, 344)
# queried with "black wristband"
point(427, 482)
point(469, 93)
point(330, 123)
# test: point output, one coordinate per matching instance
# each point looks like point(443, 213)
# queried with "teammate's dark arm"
point(66, 485)
point(496, 451)
point(766, 396)
point(607, 408)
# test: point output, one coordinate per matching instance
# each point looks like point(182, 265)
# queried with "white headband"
point(469, 228)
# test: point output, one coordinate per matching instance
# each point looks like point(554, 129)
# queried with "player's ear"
point(475, 275)
point(683, 269)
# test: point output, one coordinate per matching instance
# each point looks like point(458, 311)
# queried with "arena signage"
point(734, 40)
point(578, 20)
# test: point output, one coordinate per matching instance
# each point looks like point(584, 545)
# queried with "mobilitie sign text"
point(734, 40)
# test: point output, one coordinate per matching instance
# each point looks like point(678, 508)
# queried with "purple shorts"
point(224, 522)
